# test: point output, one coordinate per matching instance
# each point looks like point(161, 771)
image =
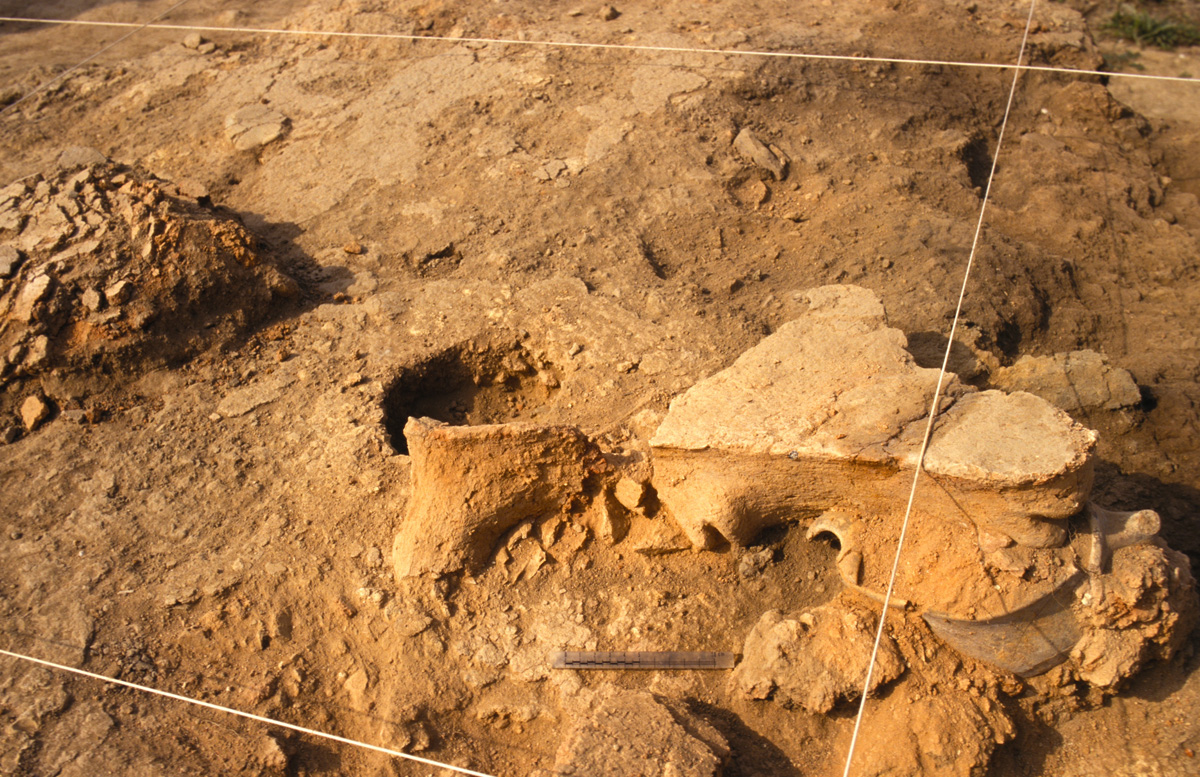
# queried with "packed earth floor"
point(234, 264)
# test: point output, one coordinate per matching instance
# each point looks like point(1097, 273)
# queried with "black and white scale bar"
point(643, 659)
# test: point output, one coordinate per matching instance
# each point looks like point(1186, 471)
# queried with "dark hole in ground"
point(1009, 338)
point(978, 158)
point(832, 539)
point(1149, 401)
point(469, 385)
point(771, 536)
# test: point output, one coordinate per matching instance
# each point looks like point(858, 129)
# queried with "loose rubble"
point(815, 659)
point(627, 733)
point(112, 272)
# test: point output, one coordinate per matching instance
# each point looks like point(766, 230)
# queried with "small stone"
point(80, 156)
point(119, 293)
point(193, 41)
point(10, 260)
point(207, 47)
point(608, 13)
point(752, 564)
point(353, 248)
point(93, 300)
point(189, 187)
point(281, 625)
point(253, 126)
point(34, 292)
point(272, 756)
point(247, 398)
point(356, 686)
point(757, 152)
point(34, 411)
point(9, 434)
point(38, 352)
point(374, 557)
point(630, 493)
point(658, 537)
point(752, 193)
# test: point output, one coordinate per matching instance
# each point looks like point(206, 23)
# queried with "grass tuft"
point(1141, 27)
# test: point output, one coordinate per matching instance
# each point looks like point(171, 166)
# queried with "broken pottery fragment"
point(816, 658)
point(471, 484)
point(1027, 641)
point(1112, 530)
point(830, 410)
point(623, 733)
point(823, 422)
point(1074, 382)
point(1109, 602)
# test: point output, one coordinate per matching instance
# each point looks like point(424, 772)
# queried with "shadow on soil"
point(746, 744)
point(1177, 504)
point(1028, 754)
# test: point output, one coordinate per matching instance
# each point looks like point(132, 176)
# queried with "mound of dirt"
point(107, 272)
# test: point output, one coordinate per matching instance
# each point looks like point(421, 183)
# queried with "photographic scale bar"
point(643, 659)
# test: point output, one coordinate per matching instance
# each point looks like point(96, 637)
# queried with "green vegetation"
point(1141, 27)
point(1121, 60)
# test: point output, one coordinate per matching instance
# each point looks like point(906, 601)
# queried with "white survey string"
point(231, 711)
point(937, 395)
point(605, 46)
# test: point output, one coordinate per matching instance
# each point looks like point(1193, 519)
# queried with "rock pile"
point(106, 271)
